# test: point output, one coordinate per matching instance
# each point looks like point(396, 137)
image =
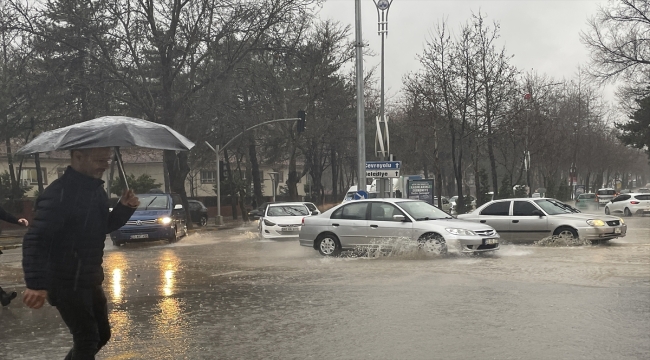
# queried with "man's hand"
point(34, 298)
point(23, 222)
point(129, 199)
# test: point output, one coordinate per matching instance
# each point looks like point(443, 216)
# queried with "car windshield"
point(555, 207)
point(153, 202)
point(288, 210)
point(587, 196)
point(606, 192)
point(420, 210)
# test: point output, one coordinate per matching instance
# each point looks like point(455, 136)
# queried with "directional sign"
point(360, 195)
point(383, 169)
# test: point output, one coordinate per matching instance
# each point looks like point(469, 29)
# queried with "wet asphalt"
point(229, 295)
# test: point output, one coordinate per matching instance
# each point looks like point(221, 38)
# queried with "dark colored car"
point(160, 216)
point(198, 212)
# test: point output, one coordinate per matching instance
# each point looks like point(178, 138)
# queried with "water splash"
point(403, 247)
point(560, 241)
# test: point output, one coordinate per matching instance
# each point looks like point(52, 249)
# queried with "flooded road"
point(228, 295)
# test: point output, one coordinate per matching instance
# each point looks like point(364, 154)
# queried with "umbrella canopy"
point(108, 131)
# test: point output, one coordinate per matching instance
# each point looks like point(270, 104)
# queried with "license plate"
point(291, 228)
point(140, 236)
point(617, 231)
point(491, 241)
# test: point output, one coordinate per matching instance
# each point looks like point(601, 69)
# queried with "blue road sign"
point(383, 165)
point(361, 194)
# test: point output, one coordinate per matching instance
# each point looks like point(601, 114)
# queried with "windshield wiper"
point(152, 200)
point(425, 218)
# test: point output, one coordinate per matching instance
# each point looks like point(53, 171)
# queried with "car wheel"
point(627, 212)
point(433, 243)
point(328, 245)
point(566, 233)
point(203, 221)
point(184, 230)
point(174, 237)
point(606, 210)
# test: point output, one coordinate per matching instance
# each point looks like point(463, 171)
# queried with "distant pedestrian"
point(64, 248)
point(5, 298)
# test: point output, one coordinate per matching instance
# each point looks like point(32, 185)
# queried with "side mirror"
point(538, 213)
point(399, 217)
point(178, 207)
point(315, 213)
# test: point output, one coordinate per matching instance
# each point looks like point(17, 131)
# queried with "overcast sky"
point(543, 35)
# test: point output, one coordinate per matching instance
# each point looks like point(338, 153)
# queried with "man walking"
point(5, 298)
point(63, 249)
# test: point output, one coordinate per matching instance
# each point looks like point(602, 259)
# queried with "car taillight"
point(577, 200)
point(303, 221)
point(634, 202)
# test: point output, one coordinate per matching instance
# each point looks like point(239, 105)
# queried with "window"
point(280, 177)
point(29, 177)
point(355, 211)
point(642, 197)
point(208, 177)
point(383, 212)
point(606, 192)
point(621, 198)
point(261, 175)
point(523, 208)
point(501, 208)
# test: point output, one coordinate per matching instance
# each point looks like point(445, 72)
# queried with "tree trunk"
point(292, 178)
point(178, 168)
point(493, 165)
point(335, 174)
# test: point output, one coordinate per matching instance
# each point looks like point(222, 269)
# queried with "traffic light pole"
point(217, 150)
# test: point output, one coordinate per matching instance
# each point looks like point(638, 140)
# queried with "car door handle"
point(374, 226)
point(515, 221)
point(483, 221)
point(335, 224)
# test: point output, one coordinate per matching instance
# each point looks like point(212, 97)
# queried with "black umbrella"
point(109, 131)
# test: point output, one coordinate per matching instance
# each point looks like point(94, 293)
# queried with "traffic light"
point(302, 120)
point(222, 170)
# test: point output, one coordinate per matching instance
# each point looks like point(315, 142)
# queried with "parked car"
point(312, 208)
point(282, 220)
point(159, 217)
point(529, 220)
point(363, 223)
point(446, 205)
point(198, 212)
point(605, 195)
point(629, 204)
point(587, 201)
point(644, 191)
point(453, 199)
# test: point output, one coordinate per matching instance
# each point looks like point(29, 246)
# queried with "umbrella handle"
point(120, 167)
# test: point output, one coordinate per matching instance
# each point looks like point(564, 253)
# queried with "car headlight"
point(268, 223)
point(622, 221)
point(456, 231)
point(596, 222)
point(165, 220)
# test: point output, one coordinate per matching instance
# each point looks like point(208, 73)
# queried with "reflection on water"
point(117, 266)
point(169, 264)
point(169, 321)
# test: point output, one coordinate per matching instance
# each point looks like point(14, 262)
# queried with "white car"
point(446, 205)
point(629, 204)
point(366, 223)
point(282, 220)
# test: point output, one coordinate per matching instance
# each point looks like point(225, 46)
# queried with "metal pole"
point(219, 219)
point(361, 131)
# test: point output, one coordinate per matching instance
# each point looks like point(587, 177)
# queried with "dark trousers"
point(85, 312)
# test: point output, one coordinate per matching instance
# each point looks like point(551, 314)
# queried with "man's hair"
point(83, 151)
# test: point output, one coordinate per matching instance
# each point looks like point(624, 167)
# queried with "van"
point(605, 195)
point(160, 216)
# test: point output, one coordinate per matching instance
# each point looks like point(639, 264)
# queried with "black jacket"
point(64, 246)
point(7, 217)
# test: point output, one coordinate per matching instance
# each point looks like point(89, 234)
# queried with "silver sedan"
point(365, 223)
point(529, 220)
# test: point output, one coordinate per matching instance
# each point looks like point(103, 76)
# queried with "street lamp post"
point(361, 129)
point(273, 174)
point(219, 219)
point(383, 6)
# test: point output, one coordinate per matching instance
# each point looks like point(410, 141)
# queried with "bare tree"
point(619, 42)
